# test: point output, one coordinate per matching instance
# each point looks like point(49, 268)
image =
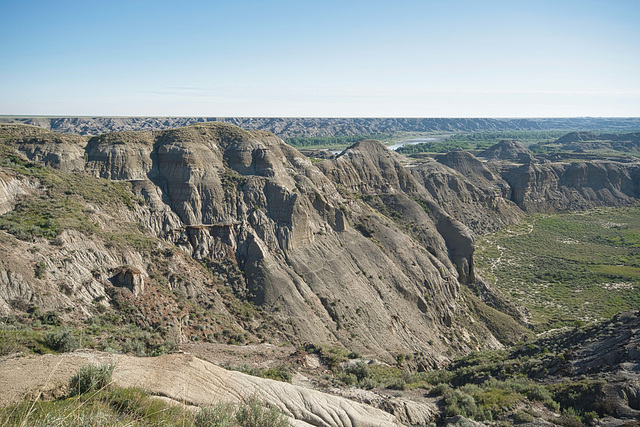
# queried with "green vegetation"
point(367, 377)
point(498, 385)
point(486, 139)
point(110, 332)
point(61, 206)
point(278, 373)
point(332, 356)
point(253, 414)
point(93, 401)
point(439, 147)
point(480, 141)
point(62, 341)
point(567, 267)
point(91, 378)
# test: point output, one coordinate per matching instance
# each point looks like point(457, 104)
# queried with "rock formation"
point(329, 266)
point(186, 380)
point(360, 250)
point(508, 150)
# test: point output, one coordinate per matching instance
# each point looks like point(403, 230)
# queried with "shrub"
point(40, 270)
point(221, 415)
point(62, 341)
point(347, 378)
point(360, 370)
point(254, 414)
point(278, 373)
point(90, 378)
point(136, 346)
point(522, 417)
point(51, 318)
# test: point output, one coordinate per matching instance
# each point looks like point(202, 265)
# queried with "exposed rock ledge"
point(189, 380)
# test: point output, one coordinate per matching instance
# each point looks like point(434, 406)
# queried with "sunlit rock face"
point(361, 249)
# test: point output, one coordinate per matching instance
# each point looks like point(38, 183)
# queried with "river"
point(410, 142)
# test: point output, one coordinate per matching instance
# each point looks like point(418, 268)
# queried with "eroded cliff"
point(363, 250)
point(326, 250)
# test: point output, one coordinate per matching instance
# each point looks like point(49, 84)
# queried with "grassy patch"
point(569, 266)
point(279, 373)
point(116, 406)
point(93, 401)
point(62, 204)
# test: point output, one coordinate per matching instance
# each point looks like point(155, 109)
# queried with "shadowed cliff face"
point(574, 186)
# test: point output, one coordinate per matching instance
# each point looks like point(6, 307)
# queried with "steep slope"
point(468, 190)
point(360, 250)
point(572, 186)
point(513, 176)
point(292, 238)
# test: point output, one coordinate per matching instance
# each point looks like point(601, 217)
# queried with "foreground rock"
point(188, 380)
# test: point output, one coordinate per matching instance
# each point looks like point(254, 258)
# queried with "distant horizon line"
point(311, 117)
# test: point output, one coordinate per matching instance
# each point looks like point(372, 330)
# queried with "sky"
point(286, 58)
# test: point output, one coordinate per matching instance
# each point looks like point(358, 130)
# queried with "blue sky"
point(345, 58)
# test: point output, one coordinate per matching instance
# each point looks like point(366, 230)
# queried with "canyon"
point(214, 233)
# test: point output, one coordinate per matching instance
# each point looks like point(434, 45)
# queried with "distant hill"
point(578, 141)
point(312, 127)
point(507, 150)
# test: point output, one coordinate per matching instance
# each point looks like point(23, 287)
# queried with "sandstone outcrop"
point(187, 380)
point(572, 186)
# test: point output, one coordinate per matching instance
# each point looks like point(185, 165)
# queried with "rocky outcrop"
point(130, 278)
point(469, 191)
point(498, 191)
point(508, 150)
point(605, 358)
point(61, 151)
point(359, 250)
point(327, 265)
point(11, 188)
point(572, 186)
point(186, 380)
point(581, 141)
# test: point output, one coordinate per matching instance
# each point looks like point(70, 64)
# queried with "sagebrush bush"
point(91, 378)
point(255, 414)
point(62, 341)
point(222, 415)
point(252, 414)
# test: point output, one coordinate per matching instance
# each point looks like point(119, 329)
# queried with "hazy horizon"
point(355, 59)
